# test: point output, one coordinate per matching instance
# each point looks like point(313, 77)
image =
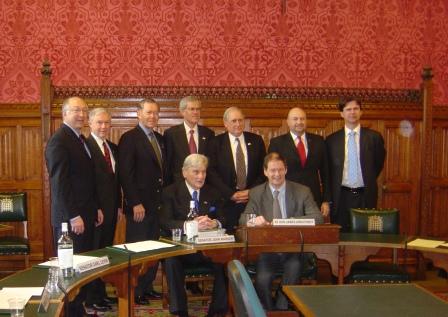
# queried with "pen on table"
point(125, 247)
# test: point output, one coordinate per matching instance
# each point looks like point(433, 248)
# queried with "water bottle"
point(191, 224)
point(65, 253)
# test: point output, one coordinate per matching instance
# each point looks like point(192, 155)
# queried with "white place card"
point(215, 239)
point(293, 222)
point(93, 264)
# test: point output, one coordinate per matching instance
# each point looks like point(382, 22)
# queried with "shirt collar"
point(233, 138)
point(187, 128)
point(191, 189)
point(145, 129)
point(294, 136)
point(282, 189)
point(357, 130)
point(76, 132)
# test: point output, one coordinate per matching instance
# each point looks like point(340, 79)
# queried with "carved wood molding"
point(307, 93)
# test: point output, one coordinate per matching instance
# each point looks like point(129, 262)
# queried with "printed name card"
point(215, 239)
point(93, 264)
point(293, 222)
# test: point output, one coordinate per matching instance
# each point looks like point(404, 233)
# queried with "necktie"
point(196, 200)
point(155, 146)
point(82, 139)
point(352, 176)
point(301, 151)
point(107, 157)
point(192, 144)
point(240, 167)
point(276, 211)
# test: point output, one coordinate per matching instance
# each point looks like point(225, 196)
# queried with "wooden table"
point(385, 300)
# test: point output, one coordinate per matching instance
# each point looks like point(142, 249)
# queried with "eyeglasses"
point(77, 110)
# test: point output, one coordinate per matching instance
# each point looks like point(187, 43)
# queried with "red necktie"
point(192, 144)
point(301, 151)
point(107, 157)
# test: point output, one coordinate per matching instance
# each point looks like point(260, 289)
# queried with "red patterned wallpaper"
point(337, 43)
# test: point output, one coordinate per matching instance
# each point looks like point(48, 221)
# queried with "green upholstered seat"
point(380, 221)
point(13, 208)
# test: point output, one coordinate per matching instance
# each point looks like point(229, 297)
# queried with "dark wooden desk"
point(386, 300)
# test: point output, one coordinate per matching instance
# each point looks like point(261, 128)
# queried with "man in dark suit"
point(186, 138)
point(141, 170)
point(278, 199)
point(236, 164)
point(356, 157)
point(104, 155)
point(306, 157)
point(176, 202)
point(72, 184)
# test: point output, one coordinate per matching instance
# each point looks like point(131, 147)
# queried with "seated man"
point(176, 201)
point(278, 198)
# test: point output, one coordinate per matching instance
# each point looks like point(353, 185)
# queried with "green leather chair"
point(13, 208)
point(376, 221)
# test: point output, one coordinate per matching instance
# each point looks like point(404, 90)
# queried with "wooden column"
point(427, 149)
point(45, 108)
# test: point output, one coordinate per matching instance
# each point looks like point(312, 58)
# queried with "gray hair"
point(96, 111)
point(66, 103)
point(229, 110)
point(141, 104)
point(183, 103)
point(195, 161)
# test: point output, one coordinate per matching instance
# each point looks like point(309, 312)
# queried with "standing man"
point(236, 164)
point(72, 184)
point(141, 170)
point(104, 155)
point(278, 199)
point(186, 138)
point(356, 157)
point(176, 203)
point(306, 157)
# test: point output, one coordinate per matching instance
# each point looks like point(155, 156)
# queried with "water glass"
point(176, 234)
point(17, 306)
point(250, 220)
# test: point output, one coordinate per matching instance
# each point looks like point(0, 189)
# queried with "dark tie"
point(196, 200)
point(155, 146)
point(240, 167)
point(301, 151)
point(192, 144)
point(82, 138)
point(276, 211)
point(107, 157)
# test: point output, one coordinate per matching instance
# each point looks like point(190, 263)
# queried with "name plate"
point(215, 239)
point(294, 222)
point(44, 301)
point(92, 264)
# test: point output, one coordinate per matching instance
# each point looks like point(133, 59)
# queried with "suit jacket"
point(176, 204)
point(140, 174)
point(298, 200)
point(372, 155)
point(72, 178)
point(221, 172)
point(107, 187)
point(177, 149)
point(315, 170)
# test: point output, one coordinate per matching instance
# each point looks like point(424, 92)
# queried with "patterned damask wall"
point(293, 43)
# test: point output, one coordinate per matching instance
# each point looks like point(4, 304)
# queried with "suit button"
point(160, 207)
point(158, 190)
point(160, 180)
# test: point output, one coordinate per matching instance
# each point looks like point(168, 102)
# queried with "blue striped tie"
point(352, 176)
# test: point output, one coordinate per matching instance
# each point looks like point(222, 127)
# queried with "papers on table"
point(77, 260)
point(19, 292)
point(425, 243)
point(143, 246)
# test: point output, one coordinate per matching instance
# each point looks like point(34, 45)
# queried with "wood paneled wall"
point(397, 115)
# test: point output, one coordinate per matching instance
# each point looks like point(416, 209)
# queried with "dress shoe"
point(141, 300)
point(153, 294)
point(212, 313)
point(110, 300)
point(96, 308)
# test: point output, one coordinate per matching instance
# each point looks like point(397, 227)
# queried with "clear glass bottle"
point(191, 224)
point(65, 253)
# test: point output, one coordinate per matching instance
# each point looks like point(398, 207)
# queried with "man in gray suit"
point(278, 198)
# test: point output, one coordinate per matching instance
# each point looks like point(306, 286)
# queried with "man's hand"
point(139, 212)
point(241, 196)
point(99, 218)
point(260, 221)
point(206, 223)
point(77, 225)
point(325, 209)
